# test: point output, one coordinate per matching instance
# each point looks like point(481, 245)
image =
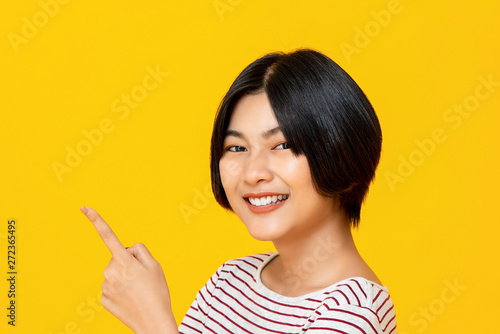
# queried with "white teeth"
point(275, 199)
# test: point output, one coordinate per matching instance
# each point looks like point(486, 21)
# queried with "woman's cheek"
point(230, 169)
point(293, 166)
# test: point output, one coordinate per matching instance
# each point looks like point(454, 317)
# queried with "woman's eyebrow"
point(234, 133)
point(269, 133)
point(265, 134)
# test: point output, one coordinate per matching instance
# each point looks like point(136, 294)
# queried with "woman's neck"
point(315, 259)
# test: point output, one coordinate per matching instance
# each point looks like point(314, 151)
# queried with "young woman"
point(294, 149)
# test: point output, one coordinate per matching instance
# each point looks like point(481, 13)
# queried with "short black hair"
point(322, 113)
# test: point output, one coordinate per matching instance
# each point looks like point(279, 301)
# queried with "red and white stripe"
point(235, 301)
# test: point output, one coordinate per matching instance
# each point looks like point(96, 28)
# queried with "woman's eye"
point(236, 149)
point(282, 146)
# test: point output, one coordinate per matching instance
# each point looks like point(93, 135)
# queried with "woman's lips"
point(265, 202)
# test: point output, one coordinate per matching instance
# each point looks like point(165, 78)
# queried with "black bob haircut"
point(322, 113)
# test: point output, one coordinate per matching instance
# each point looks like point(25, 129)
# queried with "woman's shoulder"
point(239, 270)
point(357, 291)
point(358, 295)
point(250, 262)
point(245, 266)
point(362, 299)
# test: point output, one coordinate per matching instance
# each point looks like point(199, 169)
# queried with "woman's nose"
point(257, 169)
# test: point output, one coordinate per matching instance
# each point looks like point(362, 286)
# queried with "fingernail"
point(85, 210)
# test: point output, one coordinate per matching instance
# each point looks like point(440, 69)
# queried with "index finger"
point(106, 233)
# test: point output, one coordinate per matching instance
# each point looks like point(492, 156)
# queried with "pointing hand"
point(134, 290)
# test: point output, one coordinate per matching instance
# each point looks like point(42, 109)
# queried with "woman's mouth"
point(267, 200)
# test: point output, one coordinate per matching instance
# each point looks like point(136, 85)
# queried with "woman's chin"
point(264, 233)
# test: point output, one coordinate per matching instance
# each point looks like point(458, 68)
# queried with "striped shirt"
point(234, 300)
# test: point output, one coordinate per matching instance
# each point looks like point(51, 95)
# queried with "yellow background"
point(437, 226)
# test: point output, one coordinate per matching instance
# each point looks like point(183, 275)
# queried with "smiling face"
point(268, 187)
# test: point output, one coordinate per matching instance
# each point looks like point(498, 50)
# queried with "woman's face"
point(268, 188)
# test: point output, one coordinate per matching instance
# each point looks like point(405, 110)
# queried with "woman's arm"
point(135, 290)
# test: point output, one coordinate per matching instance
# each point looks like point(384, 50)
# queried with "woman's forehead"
point(253, 114)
